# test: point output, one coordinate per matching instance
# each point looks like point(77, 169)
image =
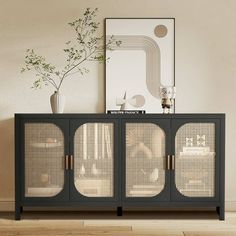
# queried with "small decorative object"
point(82, 170)
point(154, 175)
point(87, 46)
point(167, 98)
point(94, 170)
point(141, 147)
point(135, 101)
point(44, 179)
point(201, 140)
point(189, 142)
point(51, 140)
point(122, 102)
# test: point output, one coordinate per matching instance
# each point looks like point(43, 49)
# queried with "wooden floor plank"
point(87, 232)
point(210, 233)
point(63, 224)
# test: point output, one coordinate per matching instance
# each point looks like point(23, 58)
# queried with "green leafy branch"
point(87, 46)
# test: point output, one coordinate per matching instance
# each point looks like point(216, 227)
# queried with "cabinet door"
point(95, 161)
point(146, 147)
point(196, 160)
point(45, 145)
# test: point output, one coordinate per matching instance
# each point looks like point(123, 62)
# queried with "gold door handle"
point(172, 162)
point(67, 162)
point(71, 162)
point(168, 162)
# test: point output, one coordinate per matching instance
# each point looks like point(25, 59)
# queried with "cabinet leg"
point(119, 211)
point(18, 210)
point(221, 212)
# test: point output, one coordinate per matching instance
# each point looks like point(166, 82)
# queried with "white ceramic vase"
point(57, 102)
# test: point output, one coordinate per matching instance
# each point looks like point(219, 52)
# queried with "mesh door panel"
point(145, 160)
point(195, 159)
point(94, 159)
point(44, 155)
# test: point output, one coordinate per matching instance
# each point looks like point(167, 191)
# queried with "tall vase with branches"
point(87, 46)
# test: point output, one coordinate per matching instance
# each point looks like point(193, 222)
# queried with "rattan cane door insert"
point(145, 159)
point(44, 155)
point(195, 159)
point(94, 159)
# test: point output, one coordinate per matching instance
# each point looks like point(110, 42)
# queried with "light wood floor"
point(107, 224)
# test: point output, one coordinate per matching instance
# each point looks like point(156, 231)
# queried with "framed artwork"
point(141, 69)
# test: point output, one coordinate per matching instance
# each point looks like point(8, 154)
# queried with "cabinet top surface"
point(114, 116)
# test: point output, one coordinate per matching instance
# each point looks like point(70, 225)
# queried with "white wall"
point(205, 65)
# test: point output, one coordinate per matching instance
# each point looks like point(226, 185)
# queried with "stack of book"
point(145, 190)
point(131, 112)
point(196, 151)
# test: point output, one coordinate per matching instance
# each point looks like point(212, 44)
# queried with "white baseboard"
point(9, 205)
point(230, 206)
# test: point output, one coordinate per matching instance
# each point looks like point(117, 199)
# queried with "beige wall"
point(205, 65)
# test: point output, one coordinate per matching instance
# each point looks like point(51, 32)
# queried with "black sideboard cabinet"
point(120, 162)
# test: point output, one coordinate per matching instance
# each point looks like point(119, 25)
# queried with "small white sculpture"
point(136, 101)
point(94, 170)
point(141, 147)
point(154, 175)
point(82, 170)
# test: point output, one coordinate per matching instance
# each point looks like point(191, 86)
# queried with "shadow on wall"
point(7, 160)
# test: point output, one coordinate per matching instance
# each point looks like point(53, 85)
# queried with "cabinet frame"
point(164, 195)
point(175, 194)
point(74, 194)
point(120, 201)
point(63, 125)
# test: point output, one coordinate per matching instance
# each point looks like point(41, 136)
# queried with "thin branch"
point(72, 73)
point(72, 68)
point(50, 80)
